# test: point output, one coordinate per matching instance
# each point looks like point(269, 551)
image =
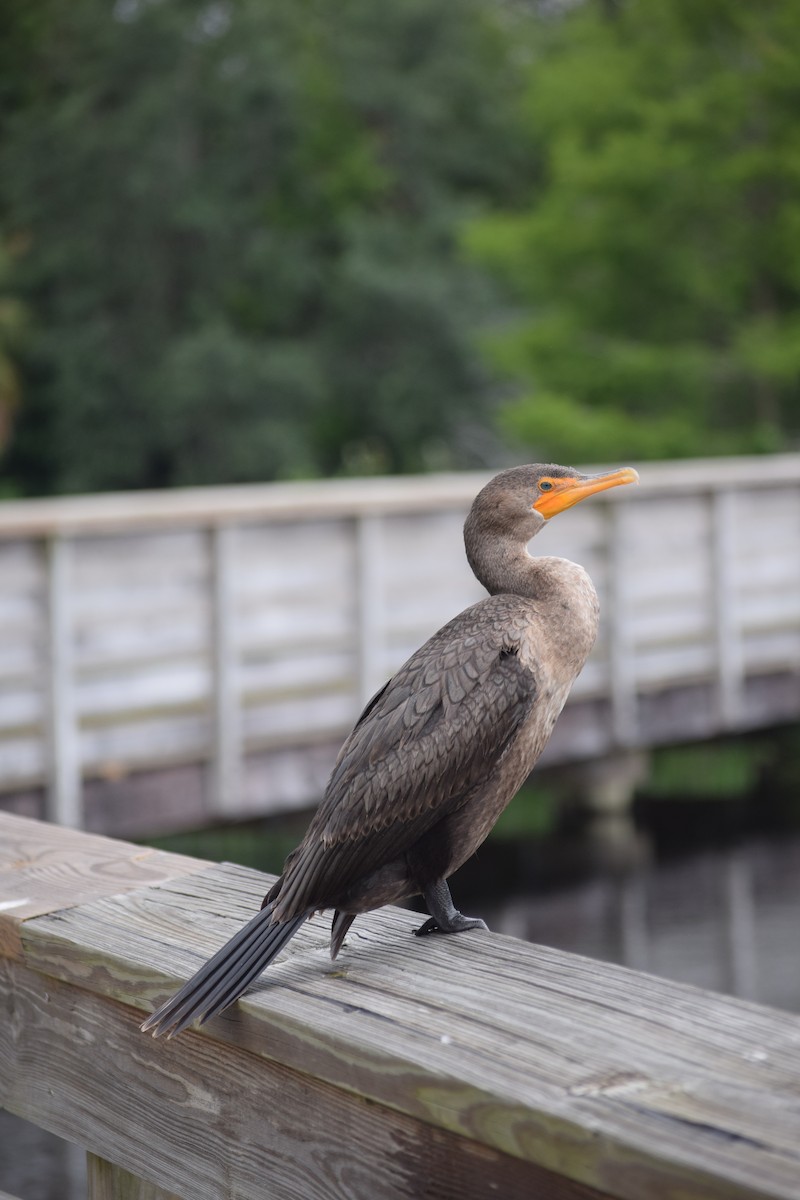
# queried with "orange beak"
point(569, 491)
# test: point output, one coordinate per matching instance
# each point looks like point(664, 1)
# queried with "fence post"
point(740, 934)
point(64, 800)
point(621, 655)
point(226, 763)
point(370, 616)
point(730, 665)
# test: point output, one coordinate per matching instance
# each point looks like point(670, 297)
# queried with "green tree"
point(12, 326)
point(657, 258)
point(242, 221)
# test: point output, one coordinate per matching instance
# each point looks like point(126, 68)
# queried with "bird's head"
point(515, 505)
point(518, 501)
point(558, 488)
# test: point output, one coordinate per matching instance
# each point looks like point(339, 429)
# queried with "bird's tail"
point(225, 976)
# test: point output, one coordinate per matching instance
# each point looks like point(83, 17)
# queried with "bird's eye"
point(546, 485)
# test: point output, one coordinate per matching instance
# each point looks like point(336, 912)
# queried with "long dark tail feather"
point(223, 979)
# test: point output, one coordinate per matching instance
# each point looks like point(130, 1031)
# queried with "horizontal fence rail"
point(226, 638)
point(468, 1066)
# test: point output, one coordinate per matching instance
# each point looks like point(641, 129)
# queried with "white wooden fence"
point(240, 629)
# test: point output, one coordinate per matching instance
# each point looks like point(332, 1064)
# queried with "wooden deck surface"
point(467, 1066)
point(44, 868)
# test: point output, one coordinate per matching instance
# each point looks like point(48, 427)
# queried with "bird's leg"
point(339, 927)
point(445, 917)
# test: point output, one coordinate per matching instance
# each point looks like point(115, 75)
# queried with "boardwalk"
point(214, 645)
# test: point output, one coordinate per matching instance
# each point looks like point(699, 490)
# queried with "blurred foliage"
point(236, 231)
point(658, 256)
point(533, 813)
point(262, 844)
point(723, 769)
point(12, 326)
point(242, 225)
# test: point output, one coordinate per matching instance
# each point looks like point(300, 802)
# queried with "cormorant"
point(440, 750)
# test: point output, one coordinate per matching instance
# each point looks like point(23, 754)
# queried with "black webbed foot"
point(445, 917)
point(457, 925)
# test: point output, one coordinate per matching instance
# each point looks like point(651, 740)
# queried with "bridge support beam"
point(606, 787)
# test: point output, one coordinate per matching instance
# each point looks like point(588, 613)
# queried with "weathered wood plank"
point(141, 739)
point(21, 706)
point(730, 663)
point(154, 634)
point(341, 497)
point(225, 690)
point(205, 1125)
point(369, 592)
point(622, 659)
point(296, 666)
point(64, 783)
point(636, 1087)
point(772, 651)
point(171, 562)
point(44, 868)
point(139, 686)
point(289, 718)
point(23, 756)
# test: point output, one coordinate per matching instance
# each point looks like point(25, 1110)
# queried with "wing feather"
point(425, 741)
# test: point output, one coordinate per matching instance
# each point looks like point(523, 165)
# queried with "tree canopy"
point(657, 257)
point(242, 225)
point(244, 240)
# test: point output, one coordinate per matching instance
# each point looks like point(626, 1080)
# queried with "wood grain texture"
point(45, 867)
point(629, 1085)
point(208, 1125)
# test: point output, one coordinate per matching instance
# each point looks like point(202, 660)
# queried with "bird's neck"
point(562, 592)
point(502, 565)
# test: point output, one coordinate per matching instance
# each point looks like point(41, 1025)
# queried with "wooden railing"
point(227, 637)
point(466, 1066)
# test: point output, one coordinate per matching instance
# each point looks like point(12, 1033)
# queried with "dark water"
point(725, 918)
point(728, 920)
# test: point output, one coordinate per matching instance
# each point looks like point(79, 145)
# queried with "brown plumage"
point(440, 750)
